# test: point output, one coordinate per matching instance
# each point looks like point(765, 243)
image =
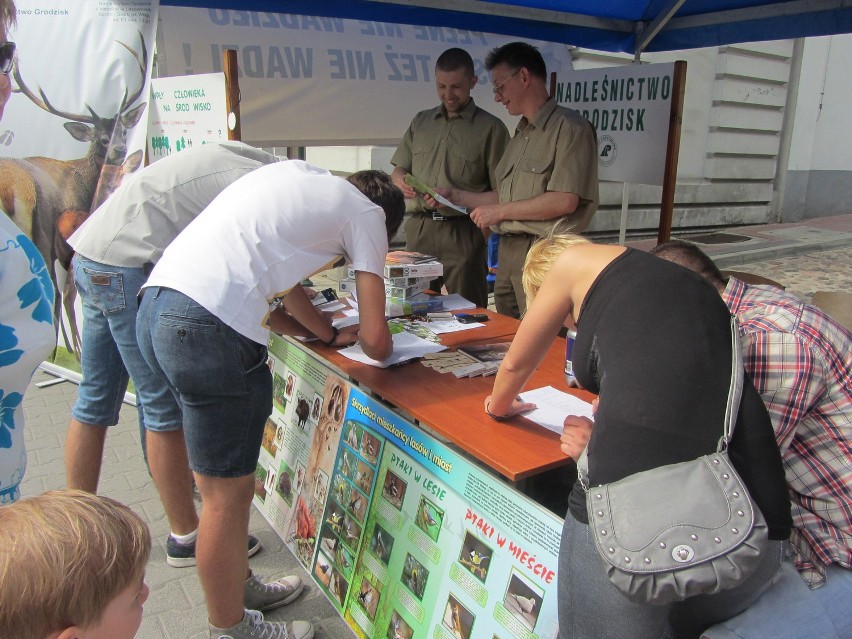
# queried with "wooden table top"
point(454, 408)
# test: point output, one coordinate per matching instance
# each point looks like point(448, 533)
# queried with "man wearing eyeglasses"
point(547, 176)
point(27, 335)
point(456, 144)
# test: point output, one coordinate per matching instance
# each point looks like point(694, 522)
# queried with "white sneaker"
point(262, 596)
point(253, 626)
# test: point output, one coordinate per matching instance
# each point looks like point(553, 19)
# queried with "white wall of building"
point(819, 179)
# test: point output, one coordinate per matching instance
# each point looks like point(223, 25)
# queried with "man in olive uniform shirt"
point(456, 144)
point(547, 176)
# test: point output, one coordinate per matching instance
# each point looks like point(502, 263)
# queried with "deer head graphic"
point(47, 197)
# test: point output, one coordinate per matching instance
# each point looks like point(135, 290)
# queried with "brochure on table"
point(405, 537)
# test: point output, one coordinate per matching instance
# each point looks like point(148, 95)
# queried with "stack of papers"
point(469, 361)
point(405, 348)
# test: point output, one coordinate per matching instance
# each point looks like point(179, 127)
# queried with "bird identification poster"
point(405, 537)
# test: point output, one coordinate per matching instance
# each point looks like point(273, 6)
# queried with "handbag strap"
point(736, 389)
point(731, 409)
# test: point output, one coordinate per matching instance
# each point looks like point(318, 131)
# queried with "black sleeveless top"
point(653, 341)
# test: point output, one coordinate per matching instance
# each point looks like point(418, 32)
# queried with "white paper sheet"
point(330, 307)
point(449, 326)
point(442, 200)
point(456, 302)
point(554, 406)
point(405, 347)
point(350, 318)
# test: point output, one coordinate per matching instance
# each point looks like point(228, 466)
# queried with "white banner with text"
point(308, 80)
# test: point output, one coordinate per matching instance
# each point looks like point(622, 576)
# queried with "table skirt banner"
point(406, 537)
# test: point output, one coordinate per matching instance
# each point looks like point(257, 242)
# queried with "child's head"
point(72, 564)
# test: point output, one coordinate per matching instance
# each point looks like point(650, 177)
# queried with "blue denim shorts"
point(219, 378)
point(110, 351)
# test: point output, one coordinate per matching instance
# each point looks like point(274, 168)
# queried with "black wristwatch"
point(334, 335)
point(496, 418)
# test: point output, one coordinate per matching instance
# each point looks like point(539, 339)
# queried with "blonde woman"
point(653, 341)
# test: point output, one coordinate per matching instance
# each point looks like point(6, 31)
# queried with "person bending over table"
point(203, 326)
point(654, 342)
point(799, 360)
point(115, 250)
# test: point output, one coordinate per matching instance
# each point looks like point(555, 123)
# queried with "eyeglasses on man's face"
point(497, 89)
point(7, 57)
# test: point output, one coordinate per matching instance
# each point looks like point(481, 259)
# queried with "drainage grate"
point(718, 238)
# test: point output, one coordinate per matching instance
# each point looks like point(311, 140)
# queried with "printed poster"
point(75, 124)
point(405, 537)
point(186, 111)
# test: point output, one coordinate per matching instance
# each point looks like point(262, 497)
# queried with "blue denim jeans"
point(791, 610)
point(218, 377)
point(110, 353)
point(590, 607)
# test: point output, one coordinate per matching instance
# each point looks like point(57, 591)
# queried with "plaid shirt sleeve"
point(784, 372)
point(799, 360)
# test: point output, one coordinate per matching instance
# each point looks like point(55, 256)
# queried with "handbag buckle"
point(683, 553)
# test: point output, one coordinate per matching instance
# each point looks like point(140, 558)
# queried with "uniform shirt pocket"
point(531, 177)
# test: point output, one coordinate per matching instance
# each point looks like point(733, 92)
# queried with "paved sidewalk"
point(769, 241)
point(807, 256)
point(175, 609)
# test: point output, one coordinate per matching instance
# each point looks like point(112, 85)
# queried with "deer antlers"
point(143, 64)
point(44, 103)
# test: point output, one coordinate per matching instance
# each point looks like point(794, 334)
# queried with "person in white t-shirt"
point(116, 249)
point(204, 322)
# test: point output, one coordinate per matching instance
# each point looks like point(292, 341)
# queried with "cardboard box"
point(420, 303)
point(404, 292)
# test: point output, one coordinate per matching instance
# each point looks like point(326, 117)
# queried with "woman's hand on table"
point(518, 406)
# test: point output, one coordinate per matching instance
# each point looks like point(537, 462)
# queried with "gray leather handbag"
point(683, 529)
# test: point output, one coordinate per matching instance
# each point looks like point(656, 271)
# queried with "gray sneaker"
point(253, 626)
point(260, 596)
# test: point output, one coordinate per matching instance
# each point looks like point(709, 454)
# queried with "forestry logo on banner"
point(607, 150)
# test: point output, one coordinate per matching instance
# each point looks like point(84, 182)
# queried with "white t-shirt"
point(153, 205)
point(264, 234)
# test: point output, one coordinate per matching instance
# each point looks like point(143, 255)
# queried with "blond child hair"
point(65, 555)
point(541, 256)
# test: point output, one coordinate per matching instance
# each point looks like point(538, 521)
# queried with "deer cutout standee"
point(48, 198)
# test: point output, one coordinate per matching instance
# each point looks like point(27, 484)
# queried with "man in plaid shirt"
point(801, 363)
